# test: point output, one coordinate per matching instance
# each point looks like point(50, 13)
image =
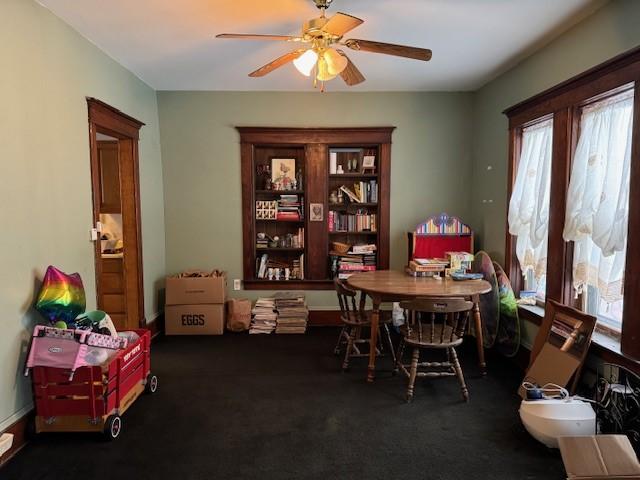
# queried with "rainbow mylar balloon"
point(61, 296)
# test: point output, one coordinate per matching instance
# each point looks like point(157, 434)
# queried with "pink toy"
point(67, 349)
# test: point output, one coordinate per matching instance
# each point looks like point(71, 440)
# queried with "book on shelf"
point(361, 221)
point(289, 208)
point(364, 248)
point(362, 192)
point(343, 265)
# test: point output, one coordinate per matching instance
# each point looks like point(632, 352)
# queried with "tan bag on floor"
point(239, 314)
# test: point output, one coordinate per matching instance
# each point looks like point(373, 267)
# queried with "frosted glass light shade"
point(323, 71)
point(336, 63)
point(305, 62)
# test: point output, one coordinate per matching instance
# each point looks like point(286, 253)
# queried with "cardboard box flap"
point(552, 365)
point(195, 290)
point(599, 456)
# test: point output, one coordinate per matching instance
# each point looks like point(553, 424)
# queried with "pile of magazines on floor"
point(292, 312)
point(263, 319)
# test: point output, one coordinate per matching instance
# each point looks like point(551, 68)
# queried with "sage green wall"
point(47, 71)
point(610, 31)
point(430, 166)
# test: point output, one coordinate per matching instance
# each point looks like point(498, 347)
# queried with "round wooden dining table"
point(393, 286)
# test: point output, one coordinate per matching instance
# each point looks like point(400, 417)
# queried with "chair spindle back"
point(447, 317)
point(346, 299)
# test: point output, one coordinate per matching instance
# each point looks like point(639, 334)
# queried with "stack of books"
point(361, 258)
point(289, 208)
point(426, 267)
point(361, 221)
point(264, 317)
point(262, 242)
point(292, 312)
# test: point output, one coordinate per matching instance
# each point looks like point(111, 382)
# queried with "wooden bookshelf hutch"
point(306, 241)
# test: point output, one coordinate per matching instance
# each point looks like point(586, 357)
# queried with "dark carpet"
point(278, 407)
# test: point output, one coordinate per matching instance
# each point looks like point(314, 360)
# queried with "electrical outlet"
point(237, 284)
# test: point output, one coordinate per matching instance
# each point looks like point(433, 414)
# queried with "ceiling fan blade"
point(341, 23)
point(251, 36)
point(390, 49)
point(277, 63)
point(351, 75)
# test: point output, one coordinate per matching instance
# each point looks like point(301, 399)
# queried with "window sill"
point(605, 346)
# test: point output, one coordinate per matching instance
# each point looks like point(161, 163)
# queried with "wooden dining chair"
point(433, 323)
point(354, 319)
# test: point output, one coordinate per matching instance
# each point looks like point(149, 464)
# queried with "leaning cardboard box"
point(599, 457)
point(195, 303)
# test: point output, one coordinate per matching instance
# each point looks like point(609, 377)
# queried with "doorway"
point(113, 139)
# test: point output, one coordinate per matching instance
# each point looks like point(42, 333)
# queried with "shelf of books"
point(315, 205)
point(279, 221)
point(353, 210)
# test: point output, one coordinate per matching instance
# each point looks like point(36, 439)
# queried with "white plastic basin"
point(546, 420)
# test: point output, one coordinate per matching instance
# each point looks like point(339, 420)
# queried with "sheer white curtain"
point(529, 205)
point(598, 197)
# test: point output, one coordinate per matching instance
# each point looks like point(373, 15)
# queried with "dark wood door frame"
point(110, 121)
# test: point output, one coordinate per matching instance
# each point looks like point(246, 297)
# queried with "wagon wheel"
point(113, 427)
point(152, 384)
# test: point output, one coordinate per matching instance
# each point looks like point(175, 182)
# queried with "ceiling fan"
point(317, 54)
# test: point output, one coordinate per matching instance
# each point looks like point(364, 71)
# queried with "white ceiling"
point(170, 45)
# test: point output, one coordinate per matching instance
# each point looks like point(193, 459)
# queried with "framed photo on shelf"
point(369, 163)
point(283, 172)
point(316, 212)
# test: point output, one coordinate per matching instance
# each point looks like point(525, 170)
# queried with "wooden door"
point(109, 176)
point(115, 182)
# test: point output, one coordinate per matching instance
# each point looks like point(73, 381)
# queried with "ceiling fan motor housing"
point(313, 28)
point(322, 4)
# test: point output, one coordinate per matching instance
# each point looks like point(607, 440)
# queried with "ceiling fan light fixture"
point(335, 62)
point(324, 74)
point(305, 62)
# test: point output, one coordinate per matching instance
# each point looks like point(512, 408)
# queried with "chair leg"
point(398, 356)
point(347, 353)
point(413, 373)
point(343, 333)
point(389, 343)
point(458, 369)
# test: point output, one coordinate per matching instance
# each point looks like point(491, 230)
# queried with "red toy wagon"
point(96, 396)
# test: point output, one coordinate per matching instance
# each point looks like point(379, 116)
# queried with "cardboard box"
point(195, 290)
point(599, 457)
point(552, 365)
point(194, 319)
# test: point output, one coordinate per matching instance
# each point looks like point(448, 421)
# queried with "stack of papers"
point(264, 316)
point(292, 312)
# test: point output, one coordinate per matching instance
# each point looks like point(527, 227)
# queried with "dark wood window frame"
point(564, 104)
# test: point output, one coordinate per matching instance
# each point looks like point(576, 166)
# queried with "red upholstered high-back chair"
point(439, 234)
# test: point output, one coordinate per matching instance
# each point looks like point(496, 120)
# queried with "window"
point(593, 225)
point(597, 208)
point(529, 205)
